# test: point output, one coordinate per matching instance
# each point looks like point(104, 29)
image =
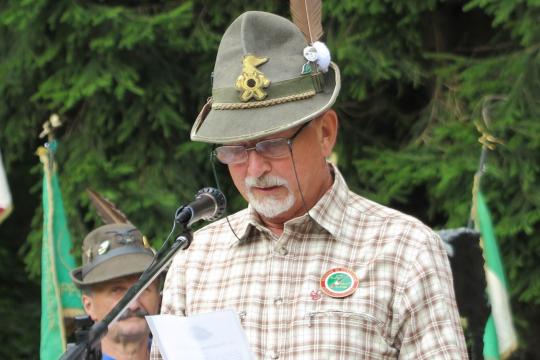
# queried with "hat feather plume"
point(107, 211)
point(306, 14)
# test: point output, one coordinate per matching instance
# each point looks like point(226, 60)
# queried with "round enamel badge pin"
point(339, 282)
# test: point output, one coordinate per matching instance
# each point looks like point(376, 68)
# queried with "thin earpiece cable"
point(216, 179)
point(296, 176)
point(298, 180)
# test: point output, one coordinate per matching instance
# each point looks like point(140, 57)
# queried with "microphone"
point(209, 204)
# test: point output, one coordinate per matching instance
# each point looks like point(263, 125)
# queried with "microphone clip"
point(209, 204)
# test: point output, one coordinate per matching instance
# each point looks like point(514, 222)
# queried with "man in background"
point(113, 258)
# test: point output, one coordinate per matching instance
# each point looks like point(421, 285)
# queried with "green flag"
point(59, 296)
point(499, 336)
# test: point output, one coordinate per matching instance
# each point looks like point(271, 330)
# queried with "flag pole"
point(499, 338)
point(46, 155)
point(488, 143)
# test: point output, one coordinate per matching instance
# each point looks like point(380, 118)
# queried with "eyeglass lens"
point(271, 148)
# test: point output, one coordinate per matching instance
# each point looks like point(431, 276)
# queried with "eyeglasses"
point(271, 148)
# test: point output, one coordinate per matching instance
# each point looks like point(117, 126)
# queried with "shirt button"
point(283, 251)
point(278, 301)
point(274, 355)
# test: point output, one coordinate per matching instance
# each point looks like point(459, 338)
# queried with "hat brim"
point(233, 126)
point(128, 264)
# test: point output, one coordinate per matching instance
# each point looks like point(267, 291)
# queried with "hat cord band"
point(124, 250)
point(299, 88)
point(263, 103)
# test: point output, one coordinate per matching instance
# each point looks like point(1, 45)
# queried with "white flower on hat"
point(323, 55)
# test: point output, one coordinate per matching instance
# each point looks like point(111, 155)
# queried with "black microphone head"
point(220, 200)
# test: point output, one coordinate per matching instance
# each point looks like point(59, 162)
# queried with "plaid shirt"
point(404, 306)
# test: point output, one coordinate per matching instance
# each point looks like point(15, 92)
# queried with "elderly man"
point(113, 257)
point(314, 270)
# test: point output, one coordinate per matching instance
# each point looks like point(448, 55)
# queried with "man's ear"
point(329, 129)
point(88, 306)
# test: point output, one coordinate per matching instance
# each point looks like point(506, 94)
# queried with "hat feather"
point(306, 14)
point(107, 211)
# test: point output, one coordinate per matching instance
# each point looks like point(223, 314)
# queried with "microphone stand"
point(89, 348)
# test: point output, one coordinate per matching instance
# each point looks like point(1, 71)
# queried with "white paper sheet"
point(212, 336)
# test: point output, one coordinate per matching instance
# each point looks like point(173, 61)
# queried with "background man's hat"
point(263, 83)
point(112, 251)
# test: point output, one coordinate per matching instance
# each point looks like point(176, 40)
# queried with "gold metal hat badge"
point(252, 81)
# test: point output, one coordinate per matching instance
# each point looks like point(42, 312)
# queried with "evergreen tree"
point(419, 78)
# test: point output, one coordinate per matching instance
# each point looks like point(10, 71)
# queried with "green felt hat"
point(112, 251)
point(262, 83)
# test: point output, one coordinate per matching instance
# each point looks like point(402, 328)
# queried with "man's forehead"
point(278, 135)
point(123, 280)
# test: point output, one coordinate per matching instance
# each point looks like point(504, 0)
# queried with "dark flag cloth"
point(467, 263)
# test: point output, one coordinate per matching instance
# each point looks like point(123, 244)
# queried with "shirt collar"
point(243, 223)
point(328, 212)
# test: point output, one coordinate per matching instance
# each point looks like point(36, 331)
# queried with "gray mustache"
point(267, 180)
point(133, 313)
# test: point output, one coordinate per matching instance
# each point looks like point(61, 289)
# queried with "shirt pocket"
point(337, 332)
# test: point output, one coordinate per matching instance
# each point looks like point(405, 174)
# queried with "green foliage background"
point(129, 77)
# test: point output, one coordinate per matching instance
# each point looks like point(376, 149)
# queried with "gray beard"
point(269, 207)
point(120, 336)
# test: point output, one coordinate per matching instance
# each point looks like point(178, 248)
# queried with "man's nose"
point(257, 164)
point(134, 305)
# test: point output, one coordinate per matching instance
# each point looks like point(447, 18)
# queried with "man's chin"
point(133, 324)
point(130, 330)
point(271, 206)
point(270, 211)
